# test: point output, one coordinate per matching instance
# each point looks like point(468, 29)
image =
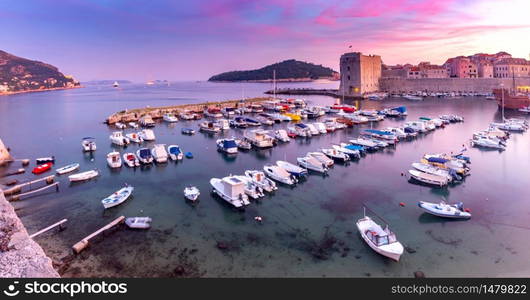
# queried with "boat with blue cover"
point(188, 155)
point(292, 169)
point(175, 153)
point(227, 146)
point(381, 134)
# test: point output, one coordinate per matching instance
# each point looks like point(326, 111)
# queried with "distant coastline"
point(40, 90)
point(279, 80)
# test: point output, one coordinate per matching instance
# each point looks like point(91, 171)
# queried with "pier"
point(310, 92)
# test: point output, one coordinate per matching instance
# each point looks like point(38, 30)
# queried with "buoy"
point(258, 218)
point(402, 174)
point(401, 204)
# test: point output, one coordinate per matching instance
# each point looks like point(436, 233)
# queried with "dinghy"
point(88, 144)
point(322, 158)
point(174, 152)
point(42, 168)
point(118, 197)
point(335, 154)
point(280, 174)
point(444, 210)
point(144, 156)
point(191, 193)
point(428, 178)
point(382, 241)
point(311, 163)
point(230, 189)
point(67, 169)
point(291, 168)
point(188, 154)
point(138, 222)
point(83, 176)
point(261, 180)
point(131, 160)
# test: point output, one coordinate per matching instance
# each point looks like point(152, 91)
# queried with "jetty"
point(81, 245)
point(309, 92)
point(133, 115)
point(16, 191)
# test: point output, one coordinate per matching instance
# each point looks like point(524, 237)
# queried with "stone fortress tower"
point(359, 74)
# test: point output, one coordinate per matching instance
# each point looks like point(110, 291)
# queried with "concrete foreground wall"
point(481, 85)
point(20, 256)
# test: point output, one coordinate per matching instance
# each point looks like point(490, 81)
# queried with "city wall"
point(480, 85)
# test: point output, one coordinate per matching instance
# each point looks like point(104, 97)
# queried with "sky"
point(193, 40)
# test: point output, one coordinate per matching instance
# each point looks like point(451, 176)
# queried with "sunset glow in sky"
point(192, 40)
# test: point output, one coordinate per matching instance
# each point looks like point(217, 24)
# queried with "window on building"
point(348, 77)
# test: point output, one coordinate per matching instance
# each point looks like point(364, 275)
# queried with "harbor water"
point(307, 230)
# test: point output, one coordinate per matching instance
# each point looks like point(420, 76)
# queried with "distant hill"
point(18, 74)
point(288, 70)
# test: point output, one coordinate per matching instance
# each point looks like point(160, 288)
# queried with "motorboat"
point(252, 122)
point(335, 154)
point(430, 179)
point(239, 122)
point(398, 132)
point(353, 153)
point(170, 118)
point(368, 144)
point(243, 144)
point(259, 138)
point(138, 222)
point(313, 164)
point(261, 180)
point(44, 160)
point(67, 169)
point(281, 117)
point(525, 109)
point(322, 158)
point(191, 193)
point(429, 124)
point(118, 197)
point(159, 153)
point(186, 115)
point(41, 168)
point(264, 120)
point(146, 121)
point(293, 169)
point(88, 144)
point(417, 126)
point(279, 174)
point(147, 135)
point(430, 169)
point(131, 160)
point(452, 118)
point(228, 111)
point(213, 112)
point(83, 176)
point(413, 98)
point(293, 117)
point(387, 136)
point(312, 129)
point(281, 135)
point(114, 159)
point(251, 189)
point(379, 143)
point(134, 137)
point(227, 146)
point(509, 126)
point(489, 143)
point(174, 152)
point(209, 127)
point(444, 210)
point(447, 161)
point(256, 108)
point(230, 189)
point(188, 131)
point(382, 241)
point(133, 125)
point(321, 127)
point(302, 130)
point(224, 124)
point(144, 156)
point(120, 125)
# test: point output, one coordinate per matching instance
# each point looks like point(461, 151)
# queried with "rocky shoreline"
point(20, 256)
point(39, 90)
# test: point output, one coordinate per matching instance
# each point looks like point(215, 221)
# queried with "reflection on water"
point(307, 230)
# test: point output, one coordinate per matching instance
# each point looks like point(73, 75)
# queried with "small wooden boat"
point(138, 222)
point(191, 193)
point(43, 160)
point(67, 169)
point(444, 210)
point(382, 241)
point(118, 197)
point(83, 176)
point(42, 168)
point(428, 178)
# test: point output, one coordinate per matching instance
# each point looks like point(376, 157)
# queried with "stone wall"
point(4, 155)
point(481, 85)
point(20, 256)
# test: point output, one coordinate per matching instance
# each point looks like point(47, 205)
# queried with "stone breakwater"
point(133, 115)
point(466, 85)
point(20, 256)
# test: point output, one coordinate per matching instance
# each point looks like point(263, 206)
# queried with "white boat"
point(368, 144)
point(159, 153)
point(117, 138)
point(243, 144)
point(322, 158)
point(147, 135)
point(88, 144)
point(251, 188)
point(174, 152)
point(230, 189)
point(484, 142)
point(227, 146)
point(313, 129)
point(428, 178)
point(133, 125)
point(444, 210)
point(144, 156)
point(259, 138)
point(292, 168)
point(351, 152)
point(430, 169)
point(191, 193)
point(413, 98)
point(134, 137)
point(83, 176)
point(170, 118)
point(321, 127)
point(510, 126)
point(118, 197)
point(224, 124)
point(335, 154)
point(186, 115)
point(281, 135)
point(261, 180)
point(115, 84)
point(67, 169)
point(138, 222)
point(312, 163)
point(146, 121)
point(131, 160)
point(265, 121)
point(120, 125)
point(114, 159)
point(525, 109)
point(279, 174)
point(210, 127)
point(301, 129)
point(417, 126)
point(382, 241)
point(398, 132)
point(280, 117)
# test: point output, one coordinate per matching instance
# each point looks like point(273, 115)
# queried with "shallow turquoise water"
point(319, 213)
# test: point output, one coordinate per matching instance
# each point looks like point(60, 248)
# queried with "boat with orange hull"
point(511, 100)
